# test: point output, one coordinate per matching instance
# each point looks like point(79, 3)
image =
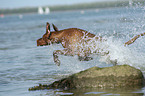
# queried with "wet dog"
point(74, 41)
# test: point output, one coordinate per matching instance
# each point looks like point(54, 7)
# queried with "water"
point(24, 65)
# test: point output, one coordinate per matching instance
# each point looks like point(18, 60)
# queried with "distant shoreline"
point(83, 6)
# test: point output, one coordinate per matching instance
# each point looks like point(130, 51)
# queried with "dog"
point(74, 41)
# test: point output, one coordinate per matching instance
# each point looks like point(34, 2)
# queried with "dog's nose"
point(38, 42)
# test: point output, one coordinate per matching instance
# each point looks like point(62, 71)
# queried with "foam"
point(123, 54)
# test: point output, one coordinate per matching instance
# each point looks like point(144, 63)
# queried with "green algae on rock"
point(95, 77)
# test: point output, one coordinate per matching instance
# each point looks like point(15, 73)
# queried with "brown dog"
point(75, 42)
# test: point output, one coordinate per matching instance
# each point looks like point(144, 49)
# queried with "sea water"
point(24, 65)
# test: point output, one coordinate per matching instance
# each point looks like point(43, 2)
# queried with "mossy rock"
point(95, 77)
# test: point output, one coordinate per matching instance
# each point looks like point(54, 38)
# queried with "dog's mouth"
point(41, 42)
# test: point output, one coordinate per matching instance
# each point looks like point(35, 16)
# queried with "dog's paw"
point(57, 62)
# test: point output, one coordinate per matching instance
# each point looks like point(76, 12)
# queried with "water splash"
point(123, 54)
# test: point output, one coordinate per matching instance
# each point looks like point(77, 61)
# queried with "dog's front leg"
point(66, 52)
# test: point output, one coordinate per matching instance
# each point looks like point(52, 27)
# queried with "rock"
point(95, 77)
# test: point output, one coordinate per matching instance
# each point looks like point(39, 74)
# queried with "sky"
point(4, 4)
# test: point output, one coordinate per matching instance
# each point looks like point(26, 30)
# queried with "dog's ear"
point(47, 28)
point(55, 28)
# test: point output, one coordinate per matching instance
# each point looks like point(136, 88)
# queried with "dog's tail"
point(133, 39)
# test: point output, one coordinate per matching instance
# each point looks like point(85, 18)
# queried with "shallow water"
point(24, 65)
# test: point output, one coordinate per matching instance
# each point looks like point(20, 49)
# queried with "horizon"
point(7, 4)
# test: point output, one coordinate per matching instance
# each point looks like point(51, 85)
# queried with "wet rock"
point(95, 77)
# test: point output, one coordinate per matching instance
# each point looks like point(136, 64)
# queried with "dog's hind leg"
point(85, 58)
point(66, 52)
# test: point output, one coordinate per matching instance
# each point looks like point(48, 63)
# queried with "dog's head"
point(45, 38)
